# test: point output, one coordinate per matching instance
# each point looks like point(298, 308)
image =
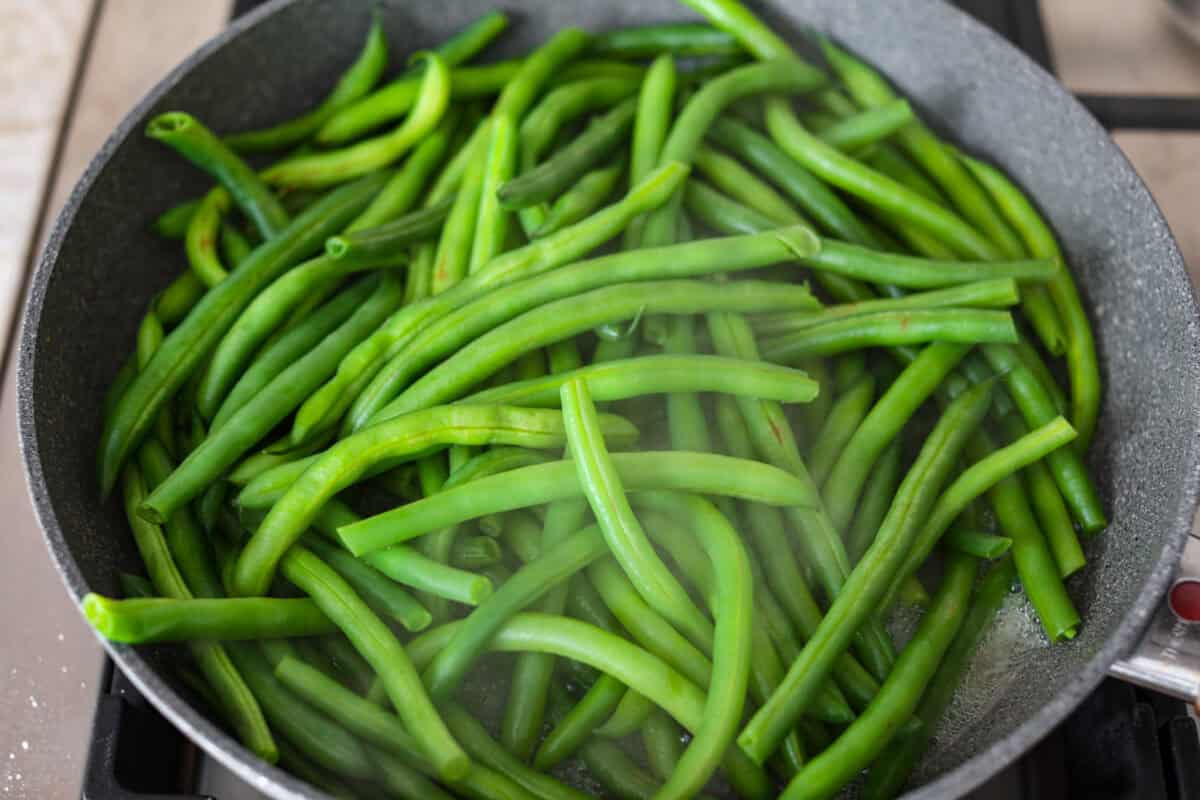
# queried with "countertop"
point(71, 70)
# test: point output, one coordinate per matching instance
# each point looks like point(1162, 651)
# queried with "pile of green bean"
point(521, 357)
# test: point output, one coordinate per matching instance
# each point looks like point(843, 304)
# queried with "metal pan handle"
point(1168, 657)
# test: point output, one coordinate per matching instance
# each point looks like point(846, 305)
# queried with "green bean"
point(1052, 514)
point(813, 196)
point(991, 468)
point(450, 666)
point(618, 774)
point(661, 740)
point(335, 166)
point(391, 240)
point(679, 38)
point(135, 586)
point(1080, 343)
point(889, 771)
point(264, 313)
point(397, 98)
point(377, 590)
point(473, 39)
point(868, 582)
point(328, 404)
point(453, 254)
point(576, 726)
point(706, 473)
point(290, 347)
point(771, 435)
point(498, 165)
point(308, 730)
point(1037, 408)
point(180, 296)
point(471, 320)
point(651, 125)
point(401, 192)
point(870, 126)
point(194, 338)
point(581, 200)
point(522, 534)
point(200, 241)
point(883, 424)
point(736, 20)
point(487, 751)
point(160, 619)
point(475, 552)
point(230, 691)
point(1033, 361)
point(187, 542)
point(877, 493)
point(964, 326)
point(690, 128)
point(383, 651)
point(623, 379)
point(550, 178)
point(728, 175)
point(577, 314)
point(255, 419)
point(645, 625)
point(407, 566)
point(782, 572)
point(348, 460)
point(355, 82)
point(868, 735)
point(1000, 293)
point(173, 223)
point(977, 544)
point(844, 418)
point(563, 105)
point(1035, 563)
point(299, 765)
point(235, 247)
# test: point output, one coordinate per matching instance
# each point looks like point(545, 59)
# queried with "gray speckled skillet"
point(101, 267)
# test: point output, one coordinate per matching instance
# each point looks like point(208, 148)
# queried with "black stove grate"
point(1122, 743)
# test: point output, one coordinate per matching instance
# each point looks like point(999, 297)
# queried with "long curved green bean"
point(882, 425)
point(193, 339)
point(397, 98)
point(1037, 408)
point(234, 698)
point(161, 619)
point(200, 240)
point(325, 407)
point(889, 771)
point(868, 582)
point(379, 646)
point(900, 694)
point(845, 415)
point(550, 178)
point(187, 136)
point(355, 82)
point(348, 460)
point(622, 531)
point(254, 420)
point(633, 377)
point(705, 473)
point(1082, 366)
point(575, 727)
point(574, 315)
point(471, 320)
point(326, 168)
point(991, 467)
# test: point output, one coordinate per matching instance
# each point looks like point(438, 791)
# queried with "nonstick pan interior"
point(102, 266)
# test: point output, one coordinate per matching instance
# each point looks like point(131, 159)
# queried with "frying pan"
point(101, 267)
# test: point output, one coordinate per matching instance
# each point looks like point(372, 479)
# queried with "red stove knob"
point(1185, 600)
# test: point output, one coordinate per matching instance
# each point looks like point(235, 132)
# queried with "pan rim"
point(277, 783)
